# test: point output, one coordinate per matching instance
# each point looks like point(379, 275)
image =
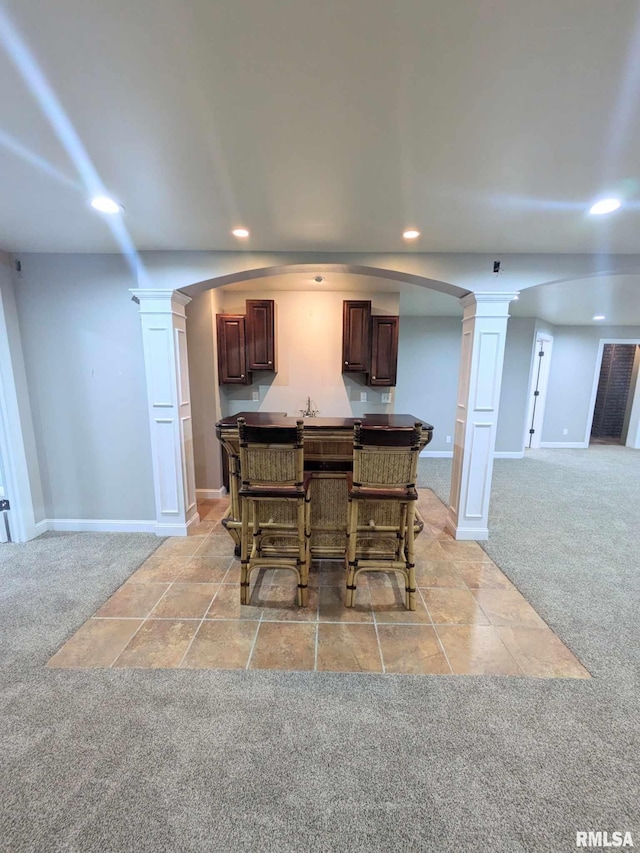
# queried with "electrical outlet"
point(255, 396)
point(385, 398)
point(448, 439)
point(565, 432)
point(363, 396)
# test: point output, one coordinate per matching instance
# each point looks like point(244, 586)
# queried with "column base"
point(169, 528)
point(479, 534)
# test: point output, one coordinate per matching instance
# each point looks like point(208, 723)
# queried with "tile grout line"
point(182, 659)
point(253, 644)
point(144, 620)
point(435, 631)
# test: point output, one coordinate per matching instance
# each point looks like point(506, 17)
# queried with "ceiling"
point(321, 126)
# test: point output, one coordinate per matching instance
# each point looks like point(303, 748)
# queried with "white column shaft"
point(484, 329)
point(165, 356)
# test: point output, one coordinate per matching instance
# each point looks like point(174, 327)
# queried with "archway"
point(166, 359)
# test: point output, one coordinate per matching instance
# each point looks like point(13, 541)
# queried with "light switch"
point(385, 398)
point(363, 396)
point(255, 396)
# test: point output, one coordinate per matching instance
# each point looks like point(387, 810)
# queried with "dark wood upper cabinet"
point(261, 348)
point(384, 350)
point(356, 323)
point(232, 359)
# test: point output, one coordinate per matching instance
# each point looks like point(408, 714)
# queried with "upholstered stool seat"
point(274, 501)
point(382, 500)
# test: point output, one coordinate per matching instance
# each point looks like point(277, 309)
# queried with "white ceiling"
point(321, 126)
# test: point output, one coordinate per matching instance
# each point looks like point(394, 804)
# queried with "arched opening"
point(309, 341)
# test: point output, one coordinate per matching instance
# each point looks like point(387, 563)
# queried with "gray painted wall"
point(428, 365)
point(515, 384)
point(573, 366)
point(17, 367)
point(83, 356)
point(205, 393)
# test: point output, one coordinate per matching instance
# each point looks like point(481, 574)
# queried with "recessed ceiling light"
point(410, 234)
point(605, 205)
point(240, 232)
point(318, 279)
point(599, 317)
point(105, 204)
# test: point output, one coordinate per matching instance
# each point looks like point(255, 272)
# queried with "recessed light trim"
point(104, 204)
point(599, 317)
point(605, 205)
point(410, 234)
point(240, 232)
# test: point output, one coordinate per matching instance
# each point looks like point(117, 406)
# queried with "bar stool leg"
point(410, 558)
point(352, 563)
point(244, 552)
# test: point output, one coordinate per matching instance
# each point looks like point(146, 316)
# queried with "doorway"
point(618, 370)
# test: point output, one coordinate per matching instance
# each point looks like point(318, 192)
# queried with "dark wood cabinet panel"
point(232, 359)
point(384, 350)
point(260, 334)
point(356, 348)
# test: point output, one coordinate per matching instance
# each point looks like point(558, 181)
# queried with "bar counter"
point(328, 452)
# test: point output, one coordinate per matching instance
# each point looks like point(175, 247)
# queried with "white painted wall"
point(83, 355)
point(573, 366)
point(309, 356)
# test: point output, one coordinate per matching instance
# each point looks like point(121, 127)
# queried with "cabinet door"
point(384, 350)
point(261, 334)
point(232, 359)
point(356, 350)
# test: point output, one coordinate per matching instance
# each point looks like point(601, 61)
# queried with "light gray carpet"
point(104, 760)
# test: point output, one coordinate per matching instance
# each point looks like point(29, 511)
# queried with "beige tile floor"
point(181, 608)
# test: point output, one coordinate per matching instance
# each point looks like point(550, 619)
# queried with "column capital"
point(160, 301)
point(487, 304)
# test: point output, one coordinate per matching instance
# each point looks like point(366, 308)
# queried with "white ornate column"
point(484, 329)
point(164, 339)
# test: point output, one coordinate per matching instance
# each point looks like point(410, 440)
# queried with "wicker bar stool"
point(275, 504)
point(382, 501)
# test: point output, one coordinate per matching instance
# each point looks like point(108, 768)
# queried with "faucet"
point(309, 412)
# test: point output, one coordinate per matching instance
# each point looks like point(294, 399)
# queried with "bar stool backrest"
point(271, 455)
point(385, 458)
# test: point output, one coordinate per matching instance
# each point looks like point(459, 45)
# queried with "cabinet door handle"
point(268, 362)
point(346, 362)
point(373, 377)
point(242, 376)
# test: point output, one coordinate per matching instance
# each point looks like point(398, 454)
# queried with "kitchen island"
point(328, 452)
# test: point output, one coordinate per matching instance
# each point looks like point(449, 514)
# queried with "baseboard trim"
point(448, 454)
point(41, 527)
point(99, 525)
point(479, 534)
point(567, 445)
point(211, 494)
